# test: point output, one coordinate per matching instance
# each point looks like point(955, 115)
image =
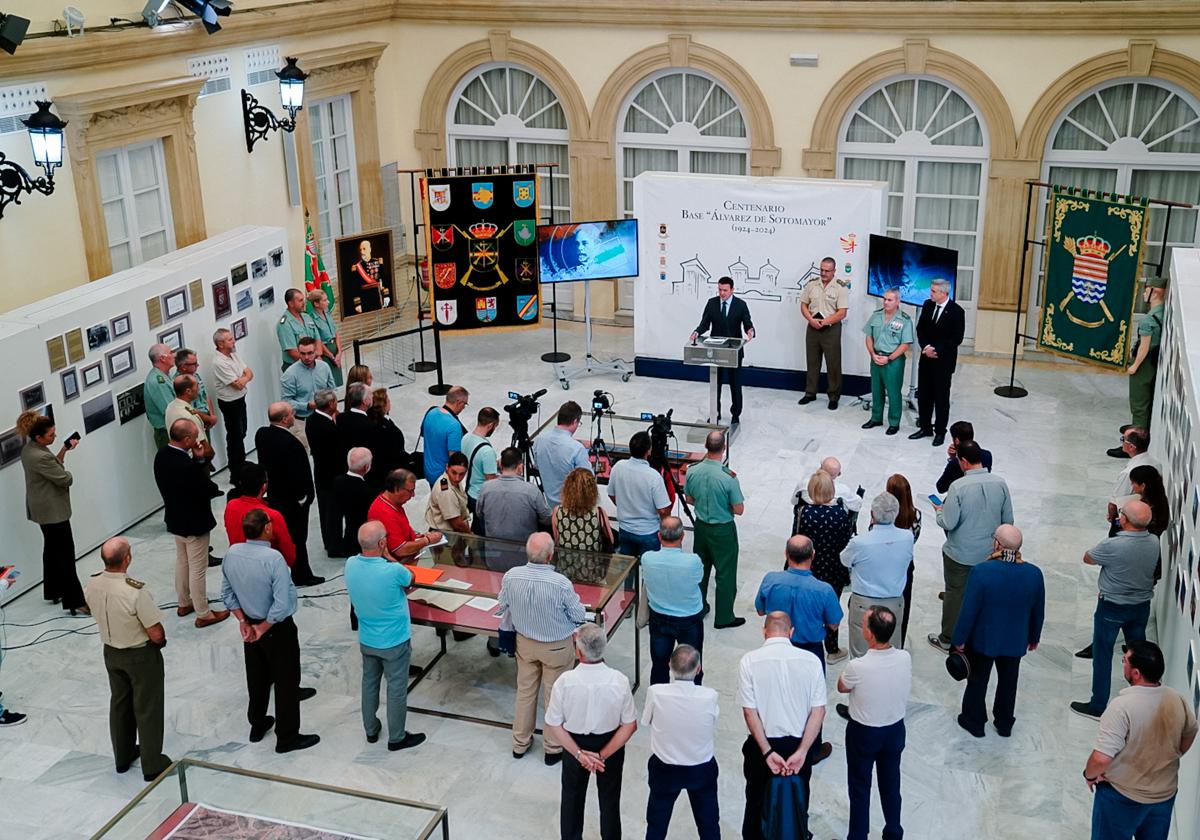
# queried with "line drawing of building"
point(765, 285)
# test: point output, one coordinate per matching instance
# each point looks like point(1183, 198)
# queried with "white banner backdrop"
point(769, 235)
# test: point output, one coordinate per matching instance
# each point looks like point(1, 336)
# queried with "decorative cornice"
point(41, 55)
point(367, 52)
point(91, 102)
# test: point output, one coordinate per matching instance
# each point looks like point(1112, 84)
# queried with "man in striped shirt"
point(543, 608)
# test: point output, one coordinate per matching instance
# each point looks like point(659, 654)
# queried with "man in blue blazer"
point(727, 317)
point(1000, 621)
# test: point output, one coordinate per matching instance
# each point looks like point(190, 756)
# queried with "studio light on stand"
point(46, 137)
point(206, 10)
point(259, 120)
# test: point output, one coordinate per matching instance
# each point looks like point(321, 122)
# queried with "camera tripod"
point(659, 461)
point(520, 442)
point(598, 449)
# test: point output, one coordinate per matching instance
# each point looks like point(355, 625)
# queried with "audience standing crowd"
point(361, 477)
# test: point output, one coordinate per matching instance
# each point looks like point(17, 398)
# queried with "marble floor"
point(56, 771)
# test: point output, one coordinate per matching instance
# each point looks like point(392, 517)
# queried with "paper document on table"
point(454, 584)
point(484, 604)
point(447, 601)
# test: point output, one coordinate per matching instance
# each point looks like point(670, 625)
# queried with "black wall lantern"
point(259, 120)
point(46, 137)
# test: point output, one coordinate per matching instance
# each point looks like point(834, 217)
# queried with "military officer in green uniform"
point(714, 492)
point(159, 391)
point(130, 627)
point(1144, 368)
point(889, 334)
point(293, 326)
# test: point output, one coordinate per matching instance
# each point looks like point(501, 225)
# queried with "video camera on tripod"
point(602, 401)
point(660, 435)
point(521, 411)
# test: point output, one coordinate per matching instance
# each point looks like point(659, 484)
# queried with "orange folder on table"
point(423, 574)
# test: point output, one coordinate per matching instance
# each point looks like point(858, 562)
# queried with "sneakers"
point(11, 718)
point(837, 656)
point(936, 640)
point(1086, 710)
point(410, 739)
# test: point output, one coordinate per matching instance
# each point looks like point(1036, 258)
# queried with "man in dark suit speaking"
point(939, 332)
point(727, 317)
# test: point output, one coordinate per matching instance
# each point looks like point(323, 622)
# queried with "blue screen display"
point(908, 266)
point(587, 251)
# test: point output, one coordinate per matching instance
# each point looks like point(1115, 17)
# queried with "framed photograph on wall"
point(56, 350)
point(98, 412)
point(196, 294)
point(245, 299)
point(121, 325)
point(33, 396)
point(11, 444)
point(258, 268)
point(97, 336)
point(173, 337)
point(120, 362)
point(266, 298)
point(239, 274)
point(175, 304)
point(70, 384)
point(132, 403)
point(276, 257)
point(92, 375)
point(364, 270)
point(222, 302)
point(239, 329)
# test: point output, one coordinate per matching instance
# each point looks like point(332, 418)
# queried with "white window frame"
point(1124, 160)
point(513, 131)
point(331, 228)
point(682, 137)
point(912, 147)
point(134, 233)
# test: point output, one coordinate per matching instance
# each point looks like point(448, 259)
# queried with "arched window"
point(503, 114)
point(926, 140)
point(1133, 137)
point(677, 121)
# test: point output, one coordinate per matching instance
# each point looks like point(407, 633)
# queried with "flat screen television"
point(587, 251)
point(908, 266)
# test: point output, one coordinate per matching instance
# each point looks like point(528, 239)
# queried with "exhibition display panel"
point(195, 799)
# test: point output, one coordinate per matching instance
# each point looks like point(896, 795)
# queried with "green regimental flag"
point(1094, 256)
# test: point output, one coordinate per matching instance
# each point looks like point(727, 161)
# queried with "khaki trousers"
point(854, 618)
point(824, 344)
point(191, 566)
point(538, 663)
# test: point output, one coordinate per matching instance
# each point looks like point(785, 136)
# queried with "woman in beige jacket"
point(48, 503)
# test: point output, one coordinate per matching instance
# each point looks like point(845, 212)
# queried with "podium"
point(713, 353)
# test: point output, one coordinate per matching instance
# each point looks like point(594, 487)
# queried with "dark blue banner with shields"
point(482, 247)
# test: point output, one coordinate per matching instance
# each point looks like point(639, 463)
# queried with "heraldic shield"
point(1092, 264)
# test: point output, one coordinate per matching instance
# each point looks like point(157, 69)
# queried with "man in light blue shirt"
point(977, 504)
point(556, 452)
point(481, 455)
point(811, 603)
point(878, 563)
point(443, 432)
point(258, 589)
point(638, 491)
point(376, 587)
point(303, 378)
point(672, 580)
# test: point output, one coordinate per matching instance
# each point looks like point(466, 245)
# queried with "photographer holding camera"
point(556, 451)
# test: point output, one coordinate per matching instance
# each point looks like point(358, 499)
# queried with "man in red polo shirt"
point(247, 495)
point(402, 542)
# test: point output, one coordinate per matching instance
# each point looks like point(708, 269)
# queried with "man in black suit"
point(289, 483)
point(354, 497)
point(939, 332)
point(727, 317)
point(354, 426)
point(187, 494)
point(328, 463)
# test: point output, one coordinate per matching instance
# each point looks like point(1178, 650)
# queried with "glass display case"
point(193, 799)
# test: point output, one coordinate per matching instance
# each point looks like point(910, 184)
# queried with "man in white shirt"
point(682, 717)
point(851, 500)
point(781, 689)
point(231, 376)
point(1135, 443)
point(591, 713)
point(878, 684)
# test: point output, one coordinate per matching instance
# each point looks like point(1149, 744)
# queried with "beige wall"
point(42, 238)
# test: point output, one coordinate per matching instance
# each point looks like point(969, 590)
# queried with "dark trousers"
point(817, 649)
point(879, 747)
point(637, 544)
point(1117, 817)
point(667, 631)
point(59, 581)
point(823, 344)
point(234, 415)
point(734, 377)
point(974, 702)
point(1109, 620)
point(135, 706)
point(908, 585)
point(274, 662)
point(831, 636)
point(330, 517)
point(296, 518)
point(666, 781)
point(757, 773)
point(933, 394)
point(575, 785)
